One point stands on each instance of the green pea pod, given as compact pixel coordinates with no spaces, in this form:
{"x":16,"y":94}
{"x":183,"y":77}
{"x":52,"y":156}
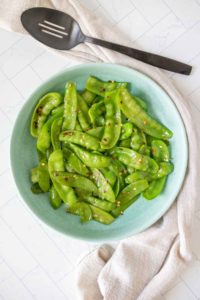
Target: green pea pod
{"x":58,"y":110}
{"x":42,"y":111}
{"x":109,"y":176}
{"x":96,"y":132}
{"x":35,"y":189}
{"x":98,"y":99}
{"x":116,"y":187}
{"x":96,"y":113}
{"x":160,"y":151}
{"x":118,"y":168}
{"x":34,"y":175}
{"x":82,"y":194}
{"x":56,"y":164}
{"x":101,"y":87}
{"x":101,"y":216}
{"x":83,"y":115}
{"x":141,"y":102}
{"x":139,"y":175}
{"x":77,"y":126}
{"x":137,"y":139}
{"x":140,"y":118}
{"x":120,"y":171}
{"x":121,"y":208}
{"x":126,"y":131}
{"x":48,"y":152}
{"x":88,"y":96}
{"x":55,"y":131}
{"x":165,"y":168}
{"x":75,"y":180}
{"x":125,"y":143}
{"x":55,"y":199}
{"x":74,"y":164}
{"x":70,"y":107}
{"x":132,"y":190}
{"x":91,"y":160}
{"x":145,"y":150}
{"x":81,"y":209}
{"x":155,"y":188}
{"x":135,"y":159}
{"x":40,"y":175}
{"x":100,"y":203}
{"x":44,"y":138}
{"x":104,"y":189}
{"x":44,"y":179}
{"x":130,"y":170}
{"x":112,"y":127}
{"x":80,"y":138}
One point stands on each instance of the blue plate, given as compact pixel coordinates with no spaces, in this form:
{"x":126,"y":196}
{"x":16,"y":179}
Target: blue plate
{"x":141,"y":214}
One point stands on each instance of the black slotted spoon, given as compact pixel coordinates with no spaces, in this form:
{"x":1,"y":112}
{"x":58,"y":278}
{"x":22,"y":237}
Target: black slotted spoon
{"x":59,"y":30}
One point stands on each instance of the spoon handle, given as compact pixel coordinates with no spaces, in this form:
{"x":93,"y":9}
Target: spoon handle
{"x":149,"y":58}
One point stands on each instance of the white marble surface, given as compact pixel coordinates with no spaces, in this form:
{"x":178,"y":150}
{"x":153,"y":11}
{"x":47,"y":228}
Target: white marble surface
{"x":35,"y":261}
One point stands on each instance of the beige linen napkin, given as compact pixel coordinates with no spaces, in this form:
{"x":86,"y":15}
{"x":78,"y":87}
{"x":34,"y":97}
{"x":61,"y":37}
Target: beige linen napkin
{"x":142,"y":266}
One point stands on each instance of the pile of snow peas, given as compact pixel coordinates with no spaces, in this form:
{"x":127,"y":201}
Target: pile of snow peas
{"x":98,"y":150}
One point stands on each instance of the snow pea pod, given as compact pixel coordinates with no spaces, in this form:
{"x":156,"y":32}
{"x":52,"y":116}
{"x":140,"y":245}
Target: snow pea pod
{"x":160,"y":151}
{"x":82,"y":193}
{"x":125,"y":143}
{"x":155,"y":188}
{"x":109,"y":175}
{"x":100,"y":203}
{"x":97,"y":132}
{"x":104,"y":189}
{"x":126,"y":131}
{"x":80,"y":138}
{"x":165,"y":168}
{"x":132,"y":190}
{"x":134,"y":159}
{"x":101,"y":87}
{"x":139,"y":175}
{"x":145,"y":150}
{"x":83,"y":115}
{"x":74,"y":164}
{"x":35,"y":188}
{"x":77,"y":126}
{"x":141,"y":102}
{"x":81,"y":209}
{"x":116,"y":187}
{"x":75,"y":180}
{"x":88,"y":96}
{"x":70,"y":107}
{"x":54,"y":198}
{"x":44,"y":138}
{"x":56,"y":164}
{"x":55,"y":131}
{"x":120,"y":171}
{"x":112,"y":126}
{"x":96,"y":113}
{"x":40,"y":175}
{"x":101,"y":216}
{"x":59,"y":109}
{"x":42,"y":111}
{"x":140,"y":118}
{"x":121,"y":208}
{"x":90,"y":159}
{"x":137,"y":139}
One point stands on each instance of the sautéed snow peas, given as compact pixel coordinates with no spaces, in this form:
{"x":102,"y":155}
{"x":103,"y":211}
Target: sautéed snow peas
{"x":98,"y":150}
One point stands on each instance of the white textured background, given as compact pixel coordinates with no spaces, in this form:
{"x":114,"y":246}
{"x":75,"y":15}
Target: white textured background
{"x":35,"y":261}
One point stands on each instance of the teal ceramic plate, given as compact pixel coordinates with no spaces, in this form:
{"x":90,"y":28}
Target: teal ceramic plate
{"x":141,"y":214}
